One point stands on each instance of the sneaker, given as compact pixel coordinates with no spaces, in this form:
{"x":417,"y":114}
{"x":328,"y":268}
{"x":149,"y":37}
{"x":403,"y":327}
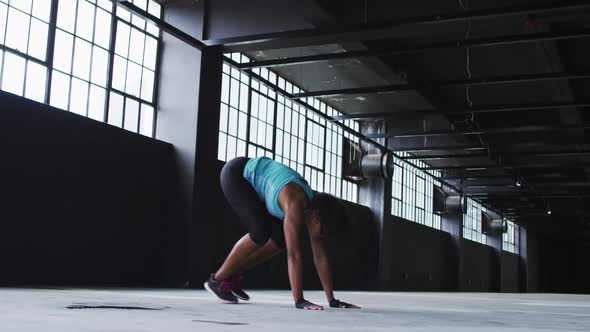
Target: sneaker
{"x":237,"y":288}
{"x":221,"y":288}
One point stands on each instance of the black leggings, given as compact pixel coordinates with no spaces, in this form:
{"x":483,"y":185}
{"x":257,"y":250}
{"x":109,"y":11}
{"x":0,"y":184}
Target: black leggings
{"x":245,"y":202}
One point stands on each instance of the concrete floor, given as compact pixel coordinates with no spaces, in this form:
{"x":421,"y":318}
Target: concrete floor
{"x":194,"y":310}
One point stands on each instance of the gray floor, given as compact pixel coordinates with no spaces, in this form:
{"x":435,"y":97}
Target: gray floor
{"x":188,"y":310}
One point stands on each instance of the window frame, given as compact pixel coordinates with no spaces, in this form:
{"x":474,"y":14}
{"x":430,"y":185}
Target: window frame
{"x":147,"y":106}
{"x":290,"y":125}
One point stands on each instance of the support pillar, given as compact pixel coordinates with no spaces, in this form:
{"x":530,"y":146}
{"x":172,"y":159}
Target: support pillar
{"x":495,"y":241}
{"x":188,"y":118}
{"x":453,"y":224}
{"x":375,"y":193}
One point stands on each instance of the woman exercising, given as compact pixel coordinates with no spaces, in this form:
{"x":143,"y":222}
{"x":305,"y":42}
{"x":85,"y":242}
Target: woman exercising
{"x":274,"y":202}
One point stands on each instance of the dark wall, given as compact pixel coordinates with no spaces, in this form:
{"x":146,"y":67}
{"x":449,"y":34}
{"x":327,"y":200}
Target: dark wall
{"x":531,"y":262}
{"x":352,"y":255}
{"x":564,"y":266}
{"x":425,"y":259}
{"x":421,"y":257}
{"x":82,"y":202}
{"x":476,"y":267}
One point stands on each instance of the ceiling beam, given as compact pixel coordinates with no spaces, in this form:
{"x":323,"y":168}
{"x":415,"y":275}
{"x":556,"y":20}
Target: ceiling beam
{"x":440,"y":148}
{"x":464,"y":177}
{"x":481,"y":109}
{"x":479,"y":155}
{"x":512,"y":166}
{"x":512,"y":188}
{"x":488,"y":131}
{"x":375,"y":30}
{"x":442,"y":84}
{"x":483,"y":42}
{"x":446,"y":156}
{"x":505,"y":196}
{"x":511,"y":180}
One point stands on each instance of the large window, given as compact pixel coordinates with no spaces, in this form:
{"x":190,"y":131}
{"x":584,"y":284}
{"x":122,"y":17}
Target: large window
{"x":412,"y":192}
{"x":24,"y":27}
{"x":510,"y":238}
{"x":472,"y":222}
{"x":89,"y":57}
{"x":256,"y":121}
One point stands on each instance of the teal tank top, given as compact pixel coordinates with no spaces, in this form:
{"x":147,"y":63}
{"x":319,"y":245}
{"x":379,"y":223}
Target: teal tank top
{"x":268,"y":178}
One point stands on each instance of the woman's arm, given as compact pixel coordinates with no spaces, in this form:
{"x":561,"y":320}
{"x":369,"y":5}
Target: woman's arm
{"x":322,"y":265}
{"x":292,"y":228}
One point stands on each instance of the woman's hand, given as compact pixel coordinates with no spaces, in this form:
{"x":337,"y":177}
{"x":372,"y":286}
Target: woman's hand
{"x":306,"y":305}
{"x":339,"y":304}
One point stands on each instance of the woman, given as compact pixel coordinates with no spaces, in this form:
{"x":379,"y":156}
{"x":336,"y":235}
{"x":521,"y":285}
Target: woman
{"x":274,"y":202}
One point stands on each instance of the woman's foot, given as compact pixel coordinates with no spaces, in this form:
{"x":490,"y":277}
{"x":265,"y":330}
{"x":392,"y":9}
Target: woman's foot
{"x":237,"y":290}
{"x":221,"y":288}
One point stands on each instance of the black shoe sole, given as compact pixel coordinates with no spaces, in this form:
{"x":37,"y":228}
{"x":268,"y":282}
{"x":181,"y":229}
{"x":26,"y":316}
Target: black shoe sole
{"x":206,"y":285}
{"x":241,"y":298}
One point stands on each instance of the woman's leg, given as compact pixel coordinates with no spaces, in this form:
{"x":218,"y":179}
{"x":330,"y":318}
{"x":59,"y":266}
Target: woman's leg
{"x":268,"y":251}
{"x":245,"y":255}
{"x":252,"y":212}
{"x":238,"y":258}
{"x":273,"y":246}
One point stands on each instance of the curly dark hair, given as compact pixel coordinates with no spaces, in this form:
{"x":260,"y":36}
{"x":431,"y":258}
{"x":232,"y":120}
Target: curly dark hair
{"x":332,"y":213}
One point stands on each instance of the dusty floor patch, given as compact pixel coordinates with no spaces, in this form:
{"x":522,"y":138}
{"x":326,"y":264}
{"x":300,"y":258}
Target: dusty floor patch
{"x":218,"y":322}
{"x":122,"y":307}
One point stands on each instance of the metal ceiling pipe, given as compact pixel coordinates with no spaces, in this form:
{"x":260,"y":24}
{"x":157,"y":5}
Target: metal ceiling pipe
{"x":441,"y":148}
{"x":501,"y":176}
{"x":377,"y":165}
{"x":504,"y":153}
{"x":492,"y":224}
{"x":522,"y":129}
{"x":446,"y":156}
{"x":486,"y":167}
{"x":505,"y":196}
{"x":448,"y":202}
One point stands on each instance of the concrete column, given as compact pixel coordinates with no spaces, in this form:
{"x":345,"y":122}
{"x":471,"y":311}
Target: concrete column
{"x":375,"y":193}
{"x":522,"y":267}
{"x":207,"y":211}
{"x":529,"y":255}
{"x":188,"y":118}
{"x":495,"y":241}
{"x":453,"y":224}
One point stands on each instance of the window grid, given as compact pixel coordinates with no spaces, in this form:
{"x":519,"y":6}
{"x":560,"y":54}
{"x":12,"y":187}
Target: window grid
{"x":257,"y":121}
{"x":412,"y":193}
{"x":420,"y":199}
{"x":62,"y":53}
{"x":472,"y":222}
{"x":262,"y":113}
{"x":291,"y":120}
{"x":510,"y":239}
{"x":23,"y":47}
{"x":234,"y":122}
